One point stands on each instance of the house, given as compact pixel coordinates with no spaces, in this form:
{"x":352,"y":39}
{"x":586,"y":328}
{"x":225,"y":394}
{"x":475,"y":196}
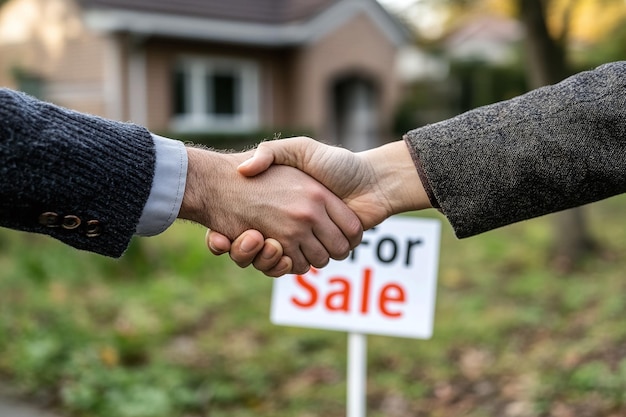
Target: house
{"x":486,"y":38}
{"x":325,"y":67}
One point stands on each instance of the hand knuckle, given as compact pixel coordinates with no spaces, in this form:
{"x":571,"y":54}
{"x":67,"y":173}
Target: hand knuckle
{"x":304,"y":215}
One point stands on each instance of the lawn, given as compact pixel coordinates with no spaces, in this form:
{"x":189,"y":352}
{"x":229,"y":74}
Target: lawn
{"x":171,"y":331}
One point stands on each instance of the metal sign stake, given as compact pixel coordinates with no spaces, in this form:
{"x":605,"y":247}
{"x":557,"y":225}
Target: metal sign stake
{"x":357,"y":375}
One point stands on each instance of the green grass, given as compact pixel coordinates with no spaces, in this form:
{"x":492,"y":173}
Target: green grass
{"x":169,"y":330}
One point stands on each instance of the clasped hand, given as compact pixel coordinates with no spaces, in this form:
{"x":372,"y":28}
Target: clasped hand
{"x":304,"y":222}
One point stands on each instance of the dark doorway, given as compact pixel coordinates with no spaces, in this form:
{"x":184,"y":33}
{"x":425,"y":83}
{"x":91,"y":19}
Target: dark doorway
{"x":355,"y":116}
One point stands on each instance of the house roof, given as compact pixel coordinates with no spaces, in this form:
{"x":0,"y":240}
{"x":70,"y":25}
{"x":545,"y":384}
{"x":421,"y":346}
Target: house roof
{"x":250,"y":22}
{"x":485,"y":38}
{"x":261,"y":11}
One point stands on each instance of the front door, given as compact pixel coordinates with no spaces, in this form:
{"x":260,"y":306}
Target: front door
{"x":355,"y":114}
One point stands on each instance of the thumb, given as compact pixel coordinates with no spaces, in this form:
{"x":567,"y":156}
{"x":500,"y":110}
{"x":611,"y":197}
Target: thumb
{"x":261,"y":159}
{"x":282,"y":152}
{"x":217,"y":243}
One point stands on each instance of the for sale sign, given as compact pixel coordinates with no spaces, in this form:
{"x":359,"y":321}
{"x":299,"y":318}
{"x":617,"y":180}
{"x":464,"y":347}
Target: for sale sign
{"x":386,"y":286}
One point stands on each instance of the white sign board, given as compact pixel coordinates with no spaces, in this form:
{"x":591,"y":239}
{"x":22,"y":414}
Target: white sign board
{"x":386,"y":286}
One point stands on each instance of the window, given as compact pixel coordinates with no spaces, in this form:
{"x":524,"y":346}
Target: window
{"x":215,"y":95}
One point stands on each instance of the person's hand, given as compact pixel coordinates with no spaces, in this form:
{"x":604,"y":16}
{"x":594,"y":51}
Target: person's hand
{"x":375,"y":184}
{"x":308,"y":221}
{"x":266,"y":255}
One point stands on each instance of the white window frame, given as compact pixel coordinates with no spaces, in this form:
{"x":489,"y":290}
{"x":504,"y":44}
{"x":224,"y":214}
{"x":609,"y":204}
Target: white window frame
{"x":198,"y":118}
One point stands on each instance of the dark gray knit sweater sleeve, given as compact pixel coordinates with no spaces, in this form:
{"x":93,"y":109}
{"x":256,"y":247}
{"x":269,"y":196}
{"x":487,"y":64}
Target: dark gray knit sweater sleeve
{"x":78,"y":178}
{"x":551,"y":149}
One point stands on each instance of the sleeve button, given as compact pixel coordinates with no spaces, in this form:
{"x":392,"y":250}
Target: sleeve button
{"x":94,"y":229}
{"x":49,"y":219}
{"x":70,"y":222}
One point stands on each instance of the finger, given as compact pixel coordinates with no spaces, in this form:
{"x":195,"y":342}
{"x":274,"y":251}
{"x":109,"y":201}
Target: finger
{"x":335,"y":226}
{"x":246,"y":247}
{"x":300,"y":264}
{"x":284,"y":266}
{"x":217,"y":243}
{"x":334,"y":243}
{"x":314,"y":252}
{"x":269,"y":256}
{"x":333,"y":231}
{"x":347,"y":221}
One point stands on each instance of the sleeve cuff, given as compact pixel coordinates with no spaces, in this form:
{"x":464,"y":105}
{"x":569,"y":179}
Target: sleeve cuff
{"x":422,"y":174}
{"x":168,"y":187}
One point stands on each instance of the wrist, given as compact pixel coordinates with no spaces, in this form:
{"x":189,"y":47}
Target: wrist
{"x":207,"y":174}
{"x":211,"y":177}
{"x":193,"y":205}
{"x":398,"y":180}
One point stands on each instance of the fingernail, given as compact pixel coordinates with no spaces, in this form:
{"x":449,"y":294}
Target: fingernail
{"x":247,"y":244}
{"x":282,"y":266}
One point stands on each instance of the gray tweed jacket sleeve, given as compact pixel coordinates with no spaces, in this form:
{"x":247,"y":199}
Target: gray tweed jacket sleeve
{"x":551,"y":149}
{"x":78,"y":178}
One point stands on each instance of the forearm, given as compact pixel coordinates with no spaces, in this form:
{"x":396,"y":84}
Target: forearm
{"x":551,"y":149}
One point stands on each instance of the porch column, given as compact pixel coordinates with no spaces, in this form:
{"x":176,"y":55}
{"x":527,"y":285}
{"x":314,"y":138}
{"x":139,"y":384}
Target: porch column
{"x":137,"y":81}
{"x":113,"y":79}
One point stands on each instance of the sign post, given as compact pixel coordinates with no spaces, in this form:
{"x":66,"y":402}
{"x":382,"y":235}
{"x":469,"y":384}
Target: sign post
{"x":387,"y":286}
{"x":357,"y":374}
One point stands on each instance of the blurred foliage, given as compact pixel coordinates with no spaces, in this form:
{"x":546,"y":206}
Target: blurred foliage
{"x":170,"y":330}
{"x":595,"y":32}
{"x":613,"y":48}
{"x":470,"y":85}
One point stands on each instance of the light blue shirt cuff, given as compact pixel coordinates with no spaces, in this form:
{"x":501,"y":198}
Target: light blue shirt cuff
{"x":168,"y":187}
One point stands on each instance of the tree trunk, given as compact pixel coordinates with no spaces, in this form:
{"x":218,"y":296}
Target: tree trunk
{"x":546,"y":64}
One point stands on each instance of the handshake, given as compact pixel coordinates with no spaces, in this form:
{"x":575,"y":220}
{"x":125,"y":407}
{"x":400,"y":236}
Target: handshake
{"x":295,"y":203}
